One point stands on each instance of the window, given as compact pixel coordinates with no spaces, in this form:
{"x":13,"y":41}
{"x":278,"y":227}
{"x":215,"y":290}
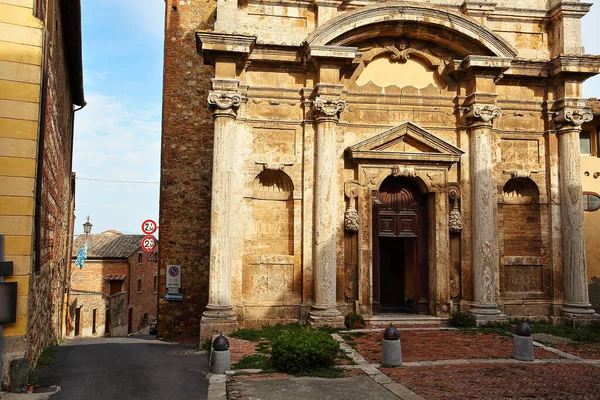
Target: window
{"x":139,"y":285}
{"x":591,"y":201}
{"x":155,"y":284}
{"x":589,"y":143}
{"x":139,"y":258}
{"x":145,"y":319}
{"x":115,"y":287}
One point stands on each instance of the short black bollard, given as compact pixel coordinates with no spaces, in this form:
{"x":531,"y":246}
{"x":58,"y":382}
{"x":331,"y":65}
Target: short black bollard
{"x":392,"y":351}
{"x":220,"y":358}
{"x":523,"y":343}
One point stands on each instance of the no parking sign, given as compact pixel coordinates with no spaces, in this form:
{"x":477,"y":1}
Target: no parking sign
{"x":173,"y":276}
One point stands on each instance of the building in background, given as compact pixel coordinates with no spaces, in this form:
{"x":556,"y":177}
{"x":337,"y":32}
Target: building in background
{"x":394,"y":157}
{"x":41,"y":84}
{"x":590,"y":179}
{"x":115,"y":292}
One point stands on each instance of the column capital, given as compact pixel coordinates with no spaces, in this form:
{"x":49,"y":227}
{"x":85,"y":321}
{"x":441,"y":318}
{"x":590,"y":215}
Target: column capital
{"x":572,"y":117}
{"x":224,"y":104}
{"x":482,"y":113}
{"x":328,"y":108}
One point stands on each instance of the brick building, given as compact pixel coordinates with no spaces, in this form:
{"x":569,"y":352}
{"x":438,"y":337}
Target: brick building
{"x":41,"y":83}
{"x":115,"y":293}
{"x":333,"y":156}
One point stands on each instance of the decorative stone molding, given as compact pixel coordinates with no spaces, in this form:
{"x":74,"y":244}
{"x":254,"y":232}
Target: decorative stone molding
{"x":403,"y":170}
{"x":351,"y":223}
{"x":329,"y":107}
{"x":483,"y":113}
{"x":455,"y":223}
{"x":519,"y":173}
{"x":224,"y":100}
{"x":572,"y":117}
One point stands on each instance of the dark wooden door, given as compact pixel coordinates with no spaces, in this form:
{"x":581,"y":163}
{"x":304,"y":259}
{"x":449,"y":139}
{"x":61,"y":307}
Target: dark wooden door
{"x":77,"y":321}
{"x":130,"y":321}
{"x":107,"y":323}
{"x":400,"y":280}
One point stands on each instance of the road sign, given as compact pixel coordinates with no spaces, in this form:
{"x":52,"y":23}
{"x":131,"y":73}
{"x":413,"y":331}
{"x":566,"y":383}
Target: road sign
{"x":173,"y":276}
{"x":148,"y":243}
{"x":153,"y":257}
{"x":149,"y":227}
{"x":173,"y":296}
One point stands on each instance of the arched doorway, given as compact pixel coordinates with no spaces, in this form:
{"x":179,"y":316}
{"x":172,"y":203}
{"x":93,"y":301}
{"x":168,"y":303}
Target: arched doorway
{"x":400,"y":279}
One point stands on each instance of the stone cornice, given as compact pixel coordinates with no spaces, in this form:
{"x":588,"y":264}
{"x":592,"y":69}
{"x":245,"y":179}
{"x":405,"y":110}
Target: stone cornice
{"x":577,"y":67}
{"x":332,"y":52}
{"x":212,"y":44}
{"x":572,"y":9}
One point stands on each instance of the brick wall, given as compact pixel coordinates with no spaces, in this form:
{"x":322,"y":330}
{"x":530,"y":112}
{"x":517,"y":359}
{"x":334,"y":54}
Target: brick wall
{"x":186,"y":164}
{"x":142,"y":301}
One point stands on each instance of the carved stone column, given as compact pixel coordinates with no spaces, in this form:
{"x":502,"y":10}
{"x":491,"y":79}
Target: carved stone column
{"x":569,"y":122}
{"x":219,"y":315}
{"x":324,"y":310}
{"x":483,"y":195}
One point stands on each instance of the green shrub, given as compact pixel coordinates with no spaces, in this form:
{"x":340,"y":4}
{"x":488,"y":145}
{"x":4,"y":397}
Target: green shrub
{"x":303,"y":350}
{"x":461,"y":319}
{"x":353,"y":320}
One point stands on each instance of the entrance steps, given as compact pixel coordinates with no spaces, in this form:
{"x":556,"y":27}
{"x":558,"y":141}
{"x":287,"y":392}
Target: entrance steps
{"x":405,"y":320}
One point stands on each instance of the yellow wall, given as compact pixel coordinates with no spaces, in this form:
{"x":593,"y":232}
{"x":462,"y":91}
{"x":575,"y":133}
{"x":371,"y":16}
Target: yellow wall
{"x":21,"y":43}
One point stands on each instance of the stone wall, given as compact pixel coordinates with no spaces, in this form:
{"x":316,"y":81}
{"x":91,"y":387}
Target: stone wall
{"x":186,"y":164}
{"x":143,"y":301}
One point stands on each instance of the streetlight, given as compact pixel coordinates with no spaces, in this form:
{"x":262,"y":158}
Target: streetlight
{"x":87,"y":227}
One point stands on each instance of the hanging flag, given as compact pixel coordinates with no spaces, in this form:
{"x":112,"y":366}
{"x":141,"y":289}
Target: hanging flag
{"x":82,"y":256}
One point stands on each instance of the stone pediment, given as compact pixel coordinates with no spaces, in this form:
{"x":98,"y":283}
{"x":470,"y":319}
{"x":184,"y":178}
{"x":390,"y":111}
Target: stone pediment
{"x":406,"y":142}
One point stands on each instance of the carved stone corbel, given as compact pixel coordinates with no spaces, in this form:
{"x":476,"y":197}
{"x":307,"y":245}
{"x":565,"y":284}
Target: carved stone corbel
{"x":455,"y":223}
{"x":483,"y":113}
{"x":519,"y":173}
{"x":403,"y":170}
{"x":572,"y":116}
{"x":329,"y":107}
{"x":223,"y":102}
{"x":351,"y":221}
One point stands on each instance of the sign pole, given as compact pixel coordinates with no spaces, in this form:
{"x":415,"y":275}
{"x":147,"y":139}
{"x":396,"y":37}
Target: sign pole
{"x":172,"y":319}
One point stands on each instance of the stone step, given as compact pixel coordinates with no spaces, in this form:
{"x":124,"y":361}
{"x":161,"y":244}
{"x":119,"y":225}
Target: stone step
{"x":406,"y":320}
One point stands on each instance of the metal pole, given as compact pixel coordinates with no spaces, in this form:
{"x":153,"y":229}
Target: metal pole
{"x":172,"y":319}
{"x":1,"y":280}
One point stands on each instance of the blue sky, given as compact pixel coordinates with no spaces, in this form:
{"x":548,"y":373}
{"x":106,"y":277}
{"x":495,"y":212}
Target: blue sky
{"x":117,"y":134}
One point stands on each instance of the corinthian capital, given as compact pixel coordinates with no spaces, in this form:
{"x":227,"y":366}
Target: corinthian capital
{"x":483,"y":113}
{"x":572,"y":116}
{"x":224,"y":100}
{"x":328,"y":107}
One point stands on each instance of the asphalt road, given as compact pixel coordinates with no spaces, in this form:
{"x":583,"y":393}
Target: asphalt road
{"x":126,"y":368}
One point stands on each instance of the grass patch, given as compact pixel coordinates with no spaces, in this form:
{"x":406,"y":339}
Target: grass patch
{"x":583,"y":334}
{"x":343,"y":356}
{"x":254,"y":361}
{"x":47,"y":358}
{"x":266,"y":332}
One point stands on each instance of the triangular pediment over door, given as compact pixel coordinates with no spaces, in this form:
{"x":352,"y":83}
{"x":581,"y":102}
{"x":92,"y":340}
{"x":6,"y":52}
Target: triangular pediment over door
{"x":407,"y":143}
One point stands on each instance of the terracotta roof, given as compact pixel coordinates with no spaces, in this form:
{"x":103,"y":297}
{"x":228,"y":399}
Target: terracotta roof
{"x":115,"y":277}
{"x":109,"y":244}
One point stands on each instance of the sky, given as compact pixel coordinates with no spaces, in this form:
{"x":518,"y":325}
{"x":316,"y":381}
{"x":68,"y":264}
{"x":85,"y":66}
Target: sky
{"x":117,"y":134}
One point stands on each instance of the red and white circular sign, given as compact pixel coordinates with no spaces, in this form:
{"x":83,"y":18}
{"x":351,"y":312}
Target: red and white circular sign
{"x":149,"y":227}
{"x":148,"y":243}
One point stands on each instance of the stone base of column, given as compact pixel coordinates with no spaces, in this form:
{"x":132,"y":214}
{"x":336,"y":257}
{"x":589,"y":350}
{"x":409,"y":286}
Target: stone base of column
{"x":216,"y":320}
{"x":320,"y":316}
{"x":487,"y":313}
{"x":578,"y":314}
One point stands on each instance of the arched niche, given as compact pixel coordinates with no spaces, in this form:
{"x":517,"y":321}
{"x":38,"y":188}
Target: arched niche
{"x":522,"y":222}
{"x":272,"y":214}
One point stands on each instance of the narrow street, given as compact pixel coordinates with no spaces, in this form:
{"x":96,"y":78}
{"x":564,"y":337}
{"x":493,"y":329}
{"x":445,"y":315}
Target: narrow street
{"x":126,"y":368}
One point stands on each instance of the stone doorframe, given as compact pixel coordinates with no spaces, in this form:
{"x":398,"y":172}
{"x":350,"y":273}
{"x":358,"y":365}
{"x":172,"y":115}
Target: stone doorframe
{"x":433,"y":182}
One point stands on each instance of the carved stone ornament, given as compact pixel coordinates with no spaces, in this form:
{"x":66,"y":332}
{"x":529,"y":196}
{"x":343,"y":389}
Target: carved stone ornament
{"x":329,"y":108}
{"x":351,"y":222}
{"x":455,"y":222}
{"x":402,"y":170}
{"x":519,"y":173}
{"x":572,"y":116}
{"x":483,"y":112}
{"x":224,"y":100}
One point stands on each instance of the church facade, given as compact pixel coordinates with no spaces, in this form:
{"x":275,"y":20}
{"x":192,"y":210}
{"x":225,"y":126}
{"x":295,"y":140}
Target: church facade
{"x":373,"y":157}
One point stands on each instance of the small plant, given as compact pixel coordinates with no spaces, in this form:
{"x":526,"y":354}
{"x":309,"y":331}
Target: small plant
{"x":353,"y":320}
{"x":253,"y":361}
{"x":303,"y":350}
{"x":461,"y":319}
{"x":46,"y":358}
{"x":206,"y":345}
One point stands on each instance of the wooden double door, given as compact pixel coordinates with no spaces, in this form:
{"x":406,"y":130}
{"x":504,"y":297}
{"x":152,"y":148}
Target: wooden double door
{"x":400,"y":279}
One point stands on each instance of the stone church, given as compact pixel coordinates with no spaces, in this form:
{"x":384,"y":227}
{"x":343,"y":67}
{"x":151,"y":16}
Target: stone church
{"x":328,"y":156}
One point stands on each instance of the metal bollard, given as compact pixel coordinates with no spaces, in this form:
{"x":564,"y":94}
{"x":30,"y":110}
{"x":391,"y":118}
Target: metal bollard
{"x":523,"y":343}
{"x":392,"y":351}
{"x":220,"y":358}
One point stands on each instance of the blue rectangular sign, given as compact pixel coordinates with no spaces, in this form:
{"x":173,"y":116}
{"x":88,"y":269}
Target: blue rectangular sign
{"x":173,"y":296}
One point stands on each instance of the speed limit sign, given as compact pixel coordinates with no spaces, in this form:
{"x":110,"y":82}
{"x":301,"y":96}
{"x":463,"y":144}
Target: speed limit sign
{"x":149,"y":227}
{"x":148,"y":243}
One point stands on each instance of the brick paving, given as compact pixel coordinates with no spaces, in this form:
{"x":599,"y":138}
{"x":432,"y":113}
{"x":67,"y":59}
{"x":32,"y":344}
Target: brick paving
{"x":503,"y":381}
{"x":421,"y":345}
{"x":590,"y":351}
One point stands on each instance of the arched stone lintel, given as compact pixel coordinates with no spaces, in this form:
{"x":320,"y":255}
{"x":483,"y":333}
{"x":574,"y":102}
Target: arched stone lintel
{"x":429,"y":179}
{"x":426,"y":14}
